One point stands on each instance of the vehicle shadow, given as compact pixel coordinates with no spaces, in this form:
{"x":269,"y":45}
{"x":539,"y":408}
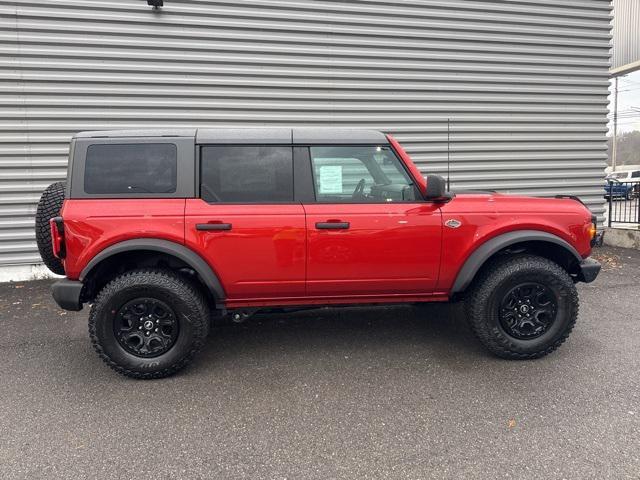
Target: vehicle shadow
{"x":404,"y":333}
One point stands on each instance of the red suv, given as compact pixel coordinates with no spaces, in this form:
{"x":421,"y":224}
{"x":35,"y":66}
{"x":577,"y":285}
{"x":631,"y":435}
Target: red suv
{"x":160,"y":231}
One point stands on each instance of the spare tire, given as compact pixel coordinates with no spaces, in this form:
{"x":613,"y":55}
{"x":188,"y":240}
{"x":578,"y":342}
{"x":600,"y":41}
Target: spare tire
{"x":49,"y":207}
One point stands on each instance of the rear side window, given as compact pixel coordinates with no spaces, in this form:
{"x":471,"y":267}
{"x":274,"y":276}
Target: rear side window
{"x":131,"y":168}
{"x":635,"y":174}
{"x":247,"y":174}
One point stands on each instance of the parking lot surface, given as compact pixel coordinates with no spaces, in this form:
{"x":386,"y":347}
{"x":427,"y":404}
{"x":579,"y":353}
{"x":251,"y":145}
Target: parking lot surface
{"x":386,"y":392}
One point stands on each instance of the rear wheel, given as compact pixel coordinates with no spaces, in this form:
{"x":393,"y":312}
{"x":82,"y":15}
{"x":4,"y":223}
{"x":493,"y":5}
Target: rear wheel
{"x":49,"y":207}
{"x":522,"y":307}
{"x":148,"y":323}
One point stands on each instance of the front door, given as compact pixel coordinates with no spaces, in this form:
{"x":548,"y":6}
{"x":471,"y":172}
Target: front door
{"x":246,"y":224}
{"x":367,"y":232}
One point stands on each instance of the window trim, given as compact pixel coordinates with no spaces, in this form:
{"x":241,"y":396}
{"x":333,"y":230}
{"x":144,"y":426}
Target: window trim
{"x":199,"y":172}
{"x":419,"y":198}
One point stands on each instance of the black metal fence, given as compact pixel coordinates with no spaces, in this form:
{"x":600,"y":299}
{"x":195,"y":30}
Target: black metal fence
{"x":624,"y":201}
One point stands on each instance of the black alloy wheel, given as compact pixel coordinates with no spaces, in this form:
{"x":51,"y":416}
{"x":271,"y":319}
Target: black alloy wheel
{"x":146,"y":327}
{"x":528,"y":310}
{"x":522,"y":306}
{"x":149,"y":323}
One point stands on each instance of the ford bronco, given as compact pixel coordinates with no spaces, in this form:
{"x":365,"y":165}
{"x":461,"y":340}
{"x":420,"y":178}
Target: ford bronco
{"x":163,"y":231}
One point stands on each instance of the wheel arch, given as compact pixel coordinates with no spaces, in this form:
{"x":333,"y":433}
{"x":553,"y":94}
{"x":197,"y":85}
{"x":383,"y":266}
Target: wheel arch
{"x":541,"y":243}
{"x":146,"y":248}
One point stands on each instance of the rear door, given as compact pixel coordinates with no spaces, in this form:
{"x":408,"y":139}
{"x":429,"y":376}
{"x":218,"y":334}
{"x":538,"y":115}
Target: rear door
{"x":368,"y":230}
{"x":245,"y":222}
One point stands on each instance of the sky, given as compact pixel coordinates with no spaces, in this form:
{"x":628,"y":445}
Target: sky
{"x":628,"y":100}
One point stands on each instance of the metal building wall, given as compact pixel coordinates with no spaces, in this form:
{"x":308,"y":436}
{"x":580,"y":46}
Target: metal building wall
{"x":626,"y":34}
{"x":524,"y":83}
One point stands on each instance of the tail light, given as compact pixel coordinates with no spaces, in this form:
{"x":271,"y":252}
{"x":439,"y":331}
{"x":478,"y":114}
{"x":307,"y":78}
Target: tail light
{"x":57,"y":237}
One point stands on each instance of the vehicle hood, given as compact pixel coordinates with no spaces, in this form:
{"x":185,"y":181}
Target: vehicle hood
{"x":508,"y":203}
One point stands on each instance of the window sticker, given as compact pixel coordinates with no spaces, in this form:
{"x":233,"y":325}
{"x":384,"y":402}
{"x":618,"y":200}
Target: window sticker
{"x":330,"y":179}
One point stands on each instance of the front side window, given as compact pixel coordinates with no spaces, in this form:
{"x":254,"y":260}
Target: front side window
{"x":131,"y":168}
{"x":247,"y":174}
{"x":359,"y":174}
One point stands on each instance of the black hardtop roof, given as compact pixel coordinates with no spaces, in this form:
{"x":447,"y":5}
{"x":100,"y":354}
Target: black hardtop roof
{"x":253,"y":135}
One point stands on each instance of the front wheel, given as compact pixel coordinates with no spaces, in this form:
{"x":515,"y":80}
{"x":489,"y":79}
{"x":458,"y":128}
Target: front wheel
{"x":522,"y":307}
{"x":148,"y":323}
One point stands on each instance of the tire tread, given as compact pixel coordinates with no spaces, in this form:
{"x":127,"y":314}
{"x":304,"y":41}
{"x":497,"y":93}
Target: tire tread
{"x":164,"y":279}
{"x":49,"y":206}
{"x":488,"y":281}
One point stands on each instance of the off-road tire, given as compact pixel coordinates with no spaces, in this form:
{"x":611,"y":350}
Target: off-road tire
{"x":49,"y":207}
{"x":190,"y":308}
{"x":483,"y":302}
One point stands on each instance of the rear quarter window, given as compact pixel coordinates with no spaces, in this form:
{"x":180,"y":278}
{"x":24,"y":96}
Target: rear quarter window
{"x":131,"y":168}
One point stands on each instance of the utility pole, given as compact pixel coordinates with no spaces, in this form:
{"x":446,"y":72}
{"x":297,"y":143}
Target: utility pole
{"x":614,"y":146}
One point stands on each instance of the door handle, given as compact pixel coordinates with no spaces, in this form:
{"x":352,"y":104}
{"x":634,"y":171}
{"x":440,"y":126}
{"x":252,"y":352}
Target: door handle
{"x":213,"y":226}
{"x":332,"y":225}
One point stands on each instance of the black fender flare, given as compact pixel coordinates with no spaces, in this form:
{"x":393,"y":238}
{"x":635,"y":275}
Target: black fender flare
{"x":177,"y":250}
{"x":481,"y":254}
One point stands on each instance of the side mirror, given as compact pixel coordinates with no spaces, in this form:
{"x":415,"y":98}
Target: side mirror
{"x":436,"y":188}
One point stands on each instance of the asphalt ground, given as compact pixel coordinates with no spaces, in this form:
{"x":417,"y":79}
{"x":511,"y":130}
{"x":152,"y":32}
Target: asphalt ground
{"x":386,"y":392}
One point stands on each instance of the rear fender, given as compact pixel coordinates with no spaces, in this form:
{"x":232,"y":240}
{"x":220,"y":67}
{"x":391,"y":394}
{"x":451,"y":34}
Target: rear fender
{"x":201,"y":267}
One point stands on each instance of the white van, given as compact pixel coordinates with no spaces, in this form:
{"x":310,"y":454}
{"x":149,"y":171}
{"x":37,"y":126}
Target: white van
{"x":625,"y":176}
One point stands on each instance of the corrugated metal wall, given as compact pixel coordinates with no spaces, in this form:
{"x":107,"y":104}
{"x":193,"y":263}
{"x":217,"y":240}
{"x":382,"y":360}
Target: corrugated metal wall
{"x":524,"y":83}
{"x":626,"y":33}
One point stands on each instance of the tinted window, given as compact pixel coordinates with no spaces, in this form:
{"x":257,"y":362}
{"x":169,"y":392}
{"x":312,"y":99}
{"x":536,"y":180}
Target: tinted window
{"x":131,"y":168}
{"x":635,"y":174}
{"x":250,"y":174}
{"x":345,"y":174}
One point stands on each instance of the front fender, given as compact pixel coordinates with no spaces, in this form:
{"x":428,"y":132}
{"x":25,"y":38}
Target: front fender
{"x":483,"y":252}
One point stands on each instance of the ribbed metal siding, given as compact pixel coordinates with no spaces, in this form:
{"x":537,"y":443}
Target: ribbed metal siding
{"x":524,"y":83}
{"x":626,"y":33}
